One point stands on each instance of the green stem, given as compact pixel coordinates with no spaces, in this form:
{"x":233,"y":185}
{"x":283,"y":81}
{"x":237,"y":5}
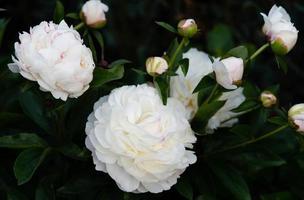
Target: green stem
{"x":212,"y":93}
{"x":79,"y":26}
{"x":177,"y":51}
{"x":271,"y":133}
{"x":258,"y":52}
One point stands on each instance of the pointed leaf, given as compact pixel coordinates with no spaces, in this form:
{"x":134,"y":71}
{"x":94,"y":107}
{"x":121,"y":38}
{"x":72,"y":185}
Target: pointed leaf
{"x":184,"y":65}
{"x":27,"y":162}
{"x":163,"y":87}
{"x":232,"y":180}
{"x":33,"y":107}
{"x":102,"y":76}
{"x":204,"y":113}
{"x":240,"y":52}
{"x":167,"y":26}
{"x":59,"y":12}
{"x":22,"y":140}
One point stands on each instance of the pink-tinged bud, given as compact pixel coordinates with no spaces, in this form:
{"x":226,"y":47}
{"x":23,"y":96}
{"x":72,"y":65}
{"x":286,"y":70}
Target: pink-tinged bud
{"x":296,"y":117}
{"x":93,"y":14}
{"x":268,"y":99}
{"x":187,"y":28}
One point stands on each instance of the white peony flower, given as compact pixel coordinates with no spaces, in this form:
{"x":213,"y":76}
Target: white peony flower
{"x":225,"y":117}
{"x":93,"y":13}
{"x":296,"y":116}
{"x":229,"y":72}
{"x":279,"y":29}
{"x":156,"y":65}
{"x":138,"y":141}
{"x":55,"y":57}
{"x":182,"y":87}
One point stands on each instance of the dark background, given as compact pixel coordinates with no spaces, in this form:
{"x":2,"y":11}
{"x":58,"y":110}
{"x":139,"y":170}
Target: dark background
{"x":132,"y":34}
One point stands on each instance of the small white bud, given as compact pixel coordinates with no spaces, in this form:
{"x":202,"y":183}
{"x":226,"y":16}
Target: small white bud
{"x":156,"y":65}
{"x":268,"y":99}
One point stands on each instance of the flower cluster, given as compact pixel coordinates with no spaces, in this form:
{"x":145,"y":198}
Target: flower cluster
{"x":143,"y":135}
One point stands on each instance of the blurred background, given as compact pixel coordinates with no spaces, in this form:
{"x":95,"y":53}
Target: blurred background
{"x":131,"y":33}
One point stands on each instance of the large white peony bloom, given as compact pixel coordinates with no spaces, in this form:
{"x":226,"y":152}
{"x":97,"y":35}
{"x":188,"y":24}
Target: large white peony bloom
{"x":55,"y":57}
{"x":182,"y":87}
{"x":278,"y":28}
{"x":93,"y":13}
{"x":138,"y":141}
{"x":225,"y":117}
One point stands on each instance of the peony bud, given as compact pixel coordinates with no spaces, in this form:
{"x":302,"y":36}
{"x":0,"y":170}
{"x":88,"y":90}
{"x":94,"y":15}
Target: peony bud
{"x":281,"y":33}
{"x":156,"y":65}
{"x":284,"y":43}
{"x":229,"y":72}
{"x":268,"y":99}
{"x":296,"y":116}
{"x":93,"y":13}
{"x":187,"y":28}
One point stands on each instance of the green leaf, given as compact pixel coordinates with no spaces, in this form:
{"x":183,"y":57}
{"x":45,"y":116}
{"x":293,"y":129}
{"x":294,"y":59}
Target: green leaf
{"x":184,"y":65}
{"x":27,"y":163}
{"x":80,"y":184}
{"x":59,"y":12}
{"x":139,"y":72}
{"x":251,"y":90}
{"x":220,"y":39}
{"x":163,"y":87}
{"x":32,"y":106}
{"x":274,"y":89}
{"x":245,"y":106}
{"x":73,"y":15}
{"x":184,"y":188}
{"x":278,"y":196}
{"x":75,"y":152}
{"x":240,"y":52}
{"x":282,"y":64}
{"x":13,"y":194}
{"x":204,"y":83}
{"x":22,"y":140}
{"x":99,"y":39}
{"x":102,"y":76}
{"x":167,"y":26}
{"x":232,"y":180}
{"x":261,"y":159}
{"x":278,"y":120}
{"x":204,"y":113}
{"x":3,"y":24}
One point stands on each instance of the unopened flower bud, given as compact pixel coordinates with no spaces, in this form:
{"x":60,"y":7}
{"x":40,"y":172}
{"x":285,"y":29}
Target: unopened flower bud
{"x":187,"y":28}
{"x":156,"y":65}
{"x":268,"y":99}
{"x":284,"y":43}
{"x":296,"y":117}
{"x":229,"y":72}
{"x":280,"y":31}
{"x":93,"y":14}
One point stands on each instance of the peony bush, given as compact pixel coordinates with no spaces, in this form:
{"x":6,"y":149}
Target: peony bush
{"x":188,"y":123}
